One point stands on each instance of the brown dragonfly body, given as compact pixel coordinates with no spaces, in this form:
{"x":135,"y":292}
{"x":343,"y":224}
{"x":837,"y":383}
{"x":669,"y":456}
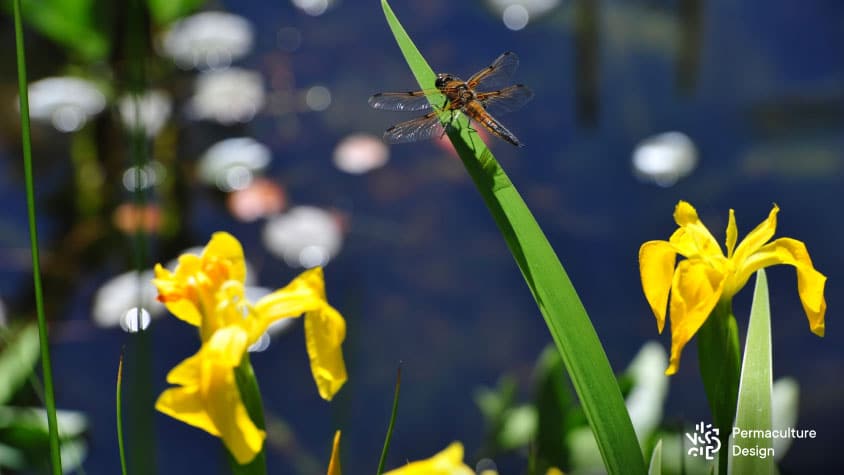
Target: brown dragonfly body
{"x":475,"y":98}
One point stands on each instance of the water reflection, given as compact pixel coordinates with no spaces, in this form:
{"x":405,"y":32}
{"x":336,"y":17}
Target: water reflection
{"x":360,"y":153}
{"x":127,"y":291}
{"x":208,"y":40}
{"x":230,"y":164}
{"x":135,"y":319}
{"x":313,"y":7}
{"x":66,"y":102}
{"x":227,"y":96}
{"x":305,"y":236}
{"x":148,"y":112}
{"x":665,"y":158}
{"x":263,"y":197}
{"x":516,"y":14}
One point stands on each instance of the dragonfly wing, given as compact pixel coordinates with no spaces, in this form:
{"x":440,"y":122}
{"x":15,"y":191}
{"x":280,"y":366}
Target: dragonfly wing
{"x":505,"y":100}
{"x":402,"y":101}
{"x":496,"y":74}
{"x":417,"y":129}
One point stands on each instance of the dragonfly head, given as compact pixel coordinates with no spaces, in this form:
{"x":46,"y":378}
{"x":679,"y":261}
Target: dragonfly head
{"x":442,"y":80}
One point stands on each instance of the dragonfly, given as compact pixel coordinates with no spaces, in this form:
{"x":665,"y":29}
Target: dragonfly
{"x":482,"y":94}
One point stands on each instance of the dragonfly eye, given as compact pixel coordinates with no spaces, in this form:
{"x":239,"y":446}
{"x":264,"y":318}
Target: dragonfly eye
{"x":442,"y":80}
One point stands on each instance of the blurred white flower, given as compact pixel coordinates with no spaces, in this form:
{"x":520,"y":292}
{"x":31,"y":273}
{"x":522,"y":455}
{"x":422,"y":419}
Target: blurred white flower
{"x":208,"y":40}
{"x":650,"y":387}
{"x":360,"y":153}
{"x":228,"y":96}
{"x":66,"y":102}
{"x":665,"y":158}
{"x":785,"y":395}
{"x":313,"y":7}
{"x":516,"y":14}
{"x":149,"y":111}
{"x":125,"y":292}
{"x":230,"y":164}
{"x":305,"y":236}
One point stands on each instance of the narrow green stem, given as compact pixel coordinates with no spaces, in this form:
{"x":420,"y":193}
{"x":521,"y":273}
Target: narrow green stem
{"x":393,"y":414}
{"x":46,"y":367}
{"x":720,"y":367}
{"x":119,"y":415}
{"x":250,"y":393}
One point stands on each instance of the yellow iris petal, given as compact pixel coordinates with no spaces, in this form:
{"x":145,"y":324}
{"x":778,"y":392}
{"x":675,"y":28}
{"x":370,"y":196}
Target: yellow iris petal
{"x":447,"y":462}
{"x":656,"y":267}
{"x":732,"y":233}
{"x":695,"y":291}
{"x":305,"y":293}
{"x":325,"y":331}
{"x":208,"y":397}
{"x":756,"y":238}
{"x":226,"y":249}
{"x":693,"y":239}
{"x":810,"y":282}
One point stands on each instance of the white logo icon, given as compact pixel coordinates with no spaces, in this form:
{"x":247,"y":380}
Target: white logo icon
{"x":704,"y":441}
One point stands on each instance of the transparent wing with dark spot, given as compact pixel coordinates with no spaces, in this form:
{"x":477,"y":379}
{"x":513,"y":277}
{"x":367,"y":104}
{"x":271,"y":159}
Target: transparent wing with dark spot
{"x":506,"y":100}
{"x":402,"y":101}
{"x":496,"y":75}
{"x":417,"y":129}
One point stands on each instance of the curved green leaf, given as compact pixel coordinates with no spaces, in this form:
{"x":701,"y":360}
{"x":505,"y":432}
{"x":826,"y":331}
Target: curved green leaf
{"x":564,"y":314}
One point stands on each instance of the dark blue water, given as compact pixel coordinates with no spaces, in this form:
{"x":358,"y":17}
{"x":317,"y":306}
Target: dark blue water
{"x":425,"y":278}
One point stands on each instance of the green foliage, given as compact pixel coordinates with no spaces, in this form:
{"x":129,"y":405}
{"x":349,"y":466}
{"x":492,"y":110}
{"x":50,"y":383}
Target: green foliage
{"x":73,"y":24}
{"x":557,"y":411}
{"x":25,"y":438}
{"x":17,"y":358}
{"x":755,"y":390}
{"x":718,"y":356}
{"x":570,"y":327}
{"x":166,"y":11}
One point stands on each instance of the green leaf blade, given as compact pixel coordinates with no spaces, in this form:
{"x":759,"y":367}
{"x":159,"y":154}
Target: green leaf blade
{"x":570,"y":327}
{"x":753,"y":410}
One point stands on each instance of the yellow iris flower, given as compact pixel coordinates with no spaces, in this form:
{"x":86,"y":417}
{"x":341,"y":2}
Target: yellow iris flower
{"x":207,"y":396}
{"x":707,"y":276}
{"x":207,"y":291}
{"x":447,"y":462}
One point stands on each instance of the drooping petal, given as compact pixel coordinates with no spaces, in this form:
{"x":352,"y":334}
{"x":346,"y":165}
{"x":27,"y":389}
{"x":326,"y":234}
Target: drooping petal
{"x":656,"y":268}
{"x":304,"y":294}
{"x":693,"y":239}
{"x":447,"y":462}
{"x":184,"y":404}
{"x":208,"y":397}
{"x":334,"y":463}
{"x":325,"y":331}
{"x":732,"y":233}
{"x":225,"y":407}
{"x":756,"y":238}
{"x":810,"y":282}
{"x":695,"y":291}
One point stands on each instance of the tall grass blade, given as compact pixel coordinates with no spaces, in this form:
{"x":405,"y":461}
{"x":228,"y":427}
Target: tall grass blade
{"x":26,"y":139}
{"x":119,"y":414}
{"x":392,"y":423}
{"x":554,"y":293}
